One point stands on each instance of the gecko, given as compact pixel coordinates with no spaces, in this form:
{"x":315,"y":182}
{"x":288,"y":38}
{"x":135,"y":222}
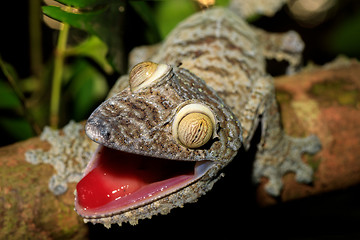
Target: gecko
{"x":187,"y":106}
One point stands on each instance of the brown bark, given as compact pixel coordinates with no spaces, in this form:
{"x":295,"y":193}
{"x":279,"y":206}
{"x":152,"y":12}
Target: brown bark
{"x":326,"y":102}
{"x":28,"y":210}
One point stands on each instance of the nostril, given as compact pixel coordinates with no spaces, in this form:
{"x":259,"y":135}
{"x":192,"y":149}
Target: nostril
{"x":106,"y":135}
{"x":97,"y":130}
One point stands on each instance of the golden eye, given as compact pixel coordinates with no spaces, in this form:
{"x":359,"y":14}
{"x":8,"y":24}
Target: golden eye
{"x":146,"y":73}
{"x":194,"y":125}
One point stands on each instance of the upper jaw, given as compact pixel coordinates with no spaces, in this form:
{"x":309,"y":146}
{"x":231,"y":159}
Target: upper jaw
{"x":141,"y":122}
{"x":138,"y":137}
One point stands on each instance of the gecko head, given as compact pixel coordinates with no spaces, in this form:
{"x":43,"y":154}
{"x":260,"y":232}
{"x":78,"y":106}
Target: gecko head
{"x":162,"y":142}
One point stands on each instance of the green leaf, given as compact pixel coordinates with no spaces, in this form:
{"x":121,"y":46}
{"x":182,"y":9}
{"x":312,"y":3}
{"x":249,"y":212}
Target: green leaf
{"x":170,"y":13}
{"x":344,"y":37}
{"x":80,"y":20}
{"x":87,"y":3}
{"x":95,"y":49}
{"x":87,"y":88}
{"x":8,"y":98}
{"x":16,"y":127}
{"x":104,"y":22}
{"x":223,"y":3}
{"x":145,"y":12}
{"x":12,"y":78}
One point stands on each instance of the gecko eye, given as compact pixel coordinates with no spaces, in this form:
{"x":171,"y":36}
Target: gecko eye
{"x":145,"y":74}
{"x":194,"y":125}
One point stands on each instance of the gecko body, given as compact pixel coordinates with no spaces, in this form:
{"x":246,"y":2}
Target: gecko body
{"x":212,"y":64}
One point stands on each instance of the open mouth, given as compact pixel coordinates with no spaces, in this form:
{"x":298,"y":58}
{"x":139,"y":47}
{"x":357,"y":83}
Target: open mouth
{"x":117,"y":181}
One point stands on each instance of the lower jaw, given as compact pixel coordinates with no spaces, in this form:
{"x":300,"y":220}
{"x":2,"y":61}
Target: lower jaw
{"x":146,"y":194}
{"x":162,"y":206}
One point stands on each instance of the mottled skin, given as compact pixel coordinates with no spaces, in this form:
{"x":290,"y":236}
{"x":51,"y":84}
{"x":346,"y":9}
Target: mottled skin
{"x":225,"y":62}
{"x":141,"y":123}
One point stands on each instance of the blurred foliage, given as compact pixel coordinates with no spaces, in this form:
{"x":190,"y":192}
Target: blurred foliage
{"x":100,"y":22}
{"x":169,"y":13}
{"x":345,"y":36}
{"x":95,"y":54}
{"x":12,"y":102}
{"x":172,"y":12}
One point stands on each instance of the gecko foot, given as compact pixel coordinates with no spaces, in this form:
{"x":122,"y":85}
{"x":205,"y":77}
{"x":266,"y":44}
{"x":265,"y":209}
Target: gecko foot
{"x":285,"y":157}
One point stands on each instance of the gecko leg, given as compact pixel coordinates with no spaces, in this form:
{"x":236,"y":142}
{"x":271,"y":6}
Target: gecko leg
{"x":278,"y":153}
{"x":284,"y":158}
{"x":286,"y":46}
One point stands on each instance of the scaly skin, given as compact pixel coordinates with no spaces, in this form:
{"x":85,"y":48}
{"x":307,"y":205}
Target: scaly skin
{"x":141,"y":123}
{"x":225,"y":62}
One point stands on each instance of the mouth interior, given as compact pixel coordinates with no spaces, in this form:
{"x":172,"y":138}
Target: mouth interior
{"x":117,"y":180}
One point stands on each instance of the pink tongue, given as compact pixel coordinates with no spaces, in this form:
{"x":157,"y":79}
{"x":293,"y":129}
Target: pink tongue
{"x":119,"y":174}
{"x":100,"y":187}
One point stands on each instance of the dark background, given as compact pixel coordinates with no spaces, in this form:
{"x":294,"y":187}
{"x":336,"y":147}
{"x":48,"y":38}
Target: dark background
{"x":229,"y":211}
